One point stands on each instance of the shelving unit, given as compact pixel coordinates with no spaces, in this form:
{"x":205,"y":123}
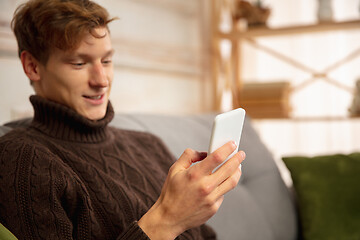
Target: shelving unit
{"x":227,"y":72}
{"x":300,"y":29}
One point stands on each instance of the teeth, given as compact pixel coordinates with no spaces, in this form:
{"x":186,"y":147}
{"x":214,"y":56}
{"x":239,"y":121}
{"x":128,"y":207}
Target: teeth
{"x":95,"y":97}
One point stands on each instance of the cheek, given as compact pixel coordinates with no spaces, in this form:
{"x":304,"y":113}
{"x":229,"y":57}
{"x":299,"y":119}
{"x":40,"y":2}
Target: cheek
{"x":77,"y":81}
{"x":110,"y":75}
{"x":70,"y":89}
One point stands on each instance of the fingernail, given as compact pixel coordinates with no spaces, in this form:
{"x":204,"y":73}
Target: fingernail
{"x":243,"y":155}
{"x":240,"y":166}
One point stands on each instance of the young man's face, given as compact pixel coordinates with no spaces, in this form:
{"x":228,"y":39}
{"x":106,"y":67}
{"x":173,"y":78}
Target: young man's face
{"x":80,"y":79}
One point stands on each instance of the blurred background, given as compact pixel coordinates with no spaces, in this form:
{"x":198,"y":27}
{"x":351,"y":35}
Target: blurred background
{"x":293,"y":66}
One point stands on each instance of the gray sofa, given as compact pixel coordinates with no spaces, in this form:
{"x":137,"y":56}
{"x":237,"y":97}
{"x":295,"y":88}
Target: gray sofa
{"x":259,"y":208}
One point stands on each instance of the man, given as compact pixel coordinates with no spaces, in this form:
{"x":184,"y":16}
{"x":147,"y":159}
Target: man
{"x":70,"y":176}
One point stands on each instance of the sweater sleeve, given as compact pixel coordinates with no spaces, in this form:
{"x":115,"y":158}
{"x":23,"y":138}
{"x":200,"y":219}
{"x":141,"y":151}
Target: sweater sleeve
{"x":37,"y":199}
{"x":134,"y":232}
{"x":41,"y":198}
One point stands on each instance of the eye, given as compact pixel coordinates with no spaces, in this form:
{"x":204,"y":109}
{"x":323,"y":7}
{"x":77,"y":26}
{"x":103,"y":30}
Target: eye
{"x":79,"y":64}
{"x":107,"y":61}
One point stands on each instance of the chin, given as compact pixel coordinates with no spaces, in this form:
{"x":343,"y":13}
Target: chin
{"x":95,"y":114}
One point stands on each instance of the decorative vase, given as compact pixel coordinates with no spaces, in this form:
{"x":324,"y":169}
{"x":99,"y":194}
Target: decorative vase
{"x":325,"y":12}
{"x":355,"y":107}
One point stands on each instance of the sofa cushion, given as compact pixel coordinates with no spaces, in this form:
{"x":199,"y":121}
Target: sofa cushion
{"x":328,"y":193}
{"x":259,"y":208}
{"x":4,"y":130}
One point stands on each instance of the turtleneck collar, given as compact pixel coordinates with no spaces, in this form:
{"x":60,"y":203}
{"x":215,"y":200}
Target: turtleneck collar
{"x":64,"y":123}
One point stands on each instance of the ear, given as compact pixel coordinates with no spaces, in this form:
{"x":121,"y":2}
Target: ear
{"x":30,"y":66}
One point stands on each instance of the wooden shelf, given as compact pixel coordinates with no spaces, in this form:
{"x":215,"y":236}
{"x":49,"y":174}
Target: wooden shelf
{"x":227,"y":71}
{"x":301,"y":29}
{"x":311,"y":119}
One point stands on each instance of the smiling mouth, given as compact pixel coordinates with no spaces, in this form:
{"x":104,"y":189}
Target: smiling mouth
{"x":97,"y":97}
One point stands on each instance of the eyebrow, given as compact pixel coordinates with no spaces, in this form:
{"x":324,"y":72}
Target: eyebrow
{"x":87,"y":56}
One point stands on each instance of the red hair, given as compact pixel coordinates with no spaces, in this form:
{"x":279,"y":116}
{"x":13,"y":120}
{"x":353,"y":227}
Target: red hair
{"x":41,"y":25}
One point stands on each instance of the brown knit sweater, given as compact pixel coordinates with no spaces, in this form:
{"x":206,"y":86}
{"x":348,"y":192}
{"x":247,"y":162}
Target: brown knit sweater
{"x":67,"y":177}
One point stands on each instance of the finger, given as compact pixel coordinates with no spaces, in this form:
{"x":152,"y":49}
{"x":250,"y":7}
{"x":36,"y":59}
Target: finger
{"x":219,"y":201}
{"x":188,"y":157}
{"x":228,"y":169}
{"x":229,"y":184}
{"x":216,"y":158}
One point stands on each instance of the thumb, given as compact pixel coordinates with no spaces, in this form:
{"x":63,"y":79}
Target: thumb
{"x":188,"y":157}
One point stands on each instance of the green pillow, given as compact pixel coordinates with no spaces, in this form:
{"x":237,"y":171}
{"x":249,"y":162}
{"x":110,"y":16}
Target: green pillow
{"x":5,"y":234}
{"x":328,"y":194}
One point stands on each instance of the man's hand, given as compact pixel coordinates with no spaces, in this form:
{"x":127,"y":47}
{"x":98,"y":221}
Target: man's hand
{"x":192,"y":194}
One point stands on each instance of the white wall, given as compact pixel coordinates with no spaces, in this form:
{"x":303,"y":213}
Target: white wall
{"x":160,"y":59}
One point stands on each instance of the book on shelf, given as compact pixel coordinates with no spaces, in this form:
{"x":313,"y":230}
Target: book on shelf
{"x":266,"y":100}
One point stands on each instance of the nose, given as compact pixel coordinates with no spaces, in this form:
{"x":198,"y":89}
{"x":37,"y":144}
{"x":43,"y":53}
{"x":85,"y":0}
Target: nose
{"x":98,"y":77}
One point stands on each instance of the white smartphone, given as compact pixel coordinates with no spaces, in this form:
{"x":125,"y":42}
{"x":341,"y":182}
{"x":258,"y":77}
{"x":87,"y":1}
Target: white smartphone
{"x":227,"y":127}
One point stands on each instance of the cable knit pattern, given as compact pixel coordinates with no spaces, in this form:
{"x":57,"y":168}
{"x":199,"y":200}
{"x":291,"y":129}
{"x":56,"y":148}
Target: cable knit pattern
{"x":67,"y":177}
